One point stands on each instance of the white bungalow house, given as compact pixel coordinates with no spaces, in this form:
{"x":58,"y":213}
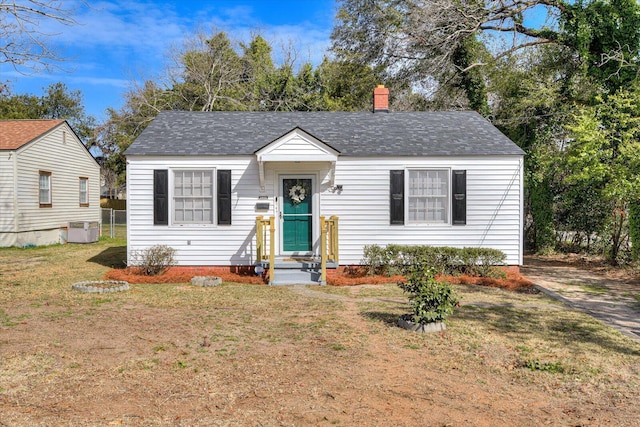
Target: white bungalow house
{"x":48,"y":178}
{"x":198,"y":181}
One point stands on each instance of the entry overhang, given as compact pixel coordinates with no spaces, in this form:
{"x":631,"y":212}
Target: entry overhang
{"x":296,"y":146}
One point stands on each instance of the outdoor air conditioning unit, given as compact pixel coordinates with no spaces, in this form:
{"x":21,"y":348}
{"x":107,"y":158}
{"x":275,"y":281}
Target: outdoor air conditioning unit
{"x":83,"y":232}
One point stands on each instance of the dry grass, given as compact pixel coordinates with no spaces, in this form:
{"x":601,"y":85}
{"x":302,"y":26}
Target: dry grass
{"x":238,"y":354}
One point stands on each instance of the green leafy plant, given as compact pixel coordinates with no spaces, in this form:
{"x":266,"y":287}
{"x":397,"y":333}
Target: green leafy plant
{"x":431,"y":300}
{"x":379,"y":260}
{"x":153,"y":260}
{"x":536,"y":365}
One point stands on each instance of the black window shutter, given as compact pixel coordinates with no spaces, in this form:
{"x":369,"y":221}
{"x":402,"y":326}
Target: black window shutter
{"x":459,"y":199}
{"x":397,"y":197}
{"x":160,"y":197}
{"x":224,"y":197}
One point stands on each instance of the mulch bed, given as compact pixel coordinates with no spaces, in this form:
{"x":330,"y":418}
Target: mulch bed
{"x":343,"y":276}
{"x":185,"y":274}
{"x":512,"y":282}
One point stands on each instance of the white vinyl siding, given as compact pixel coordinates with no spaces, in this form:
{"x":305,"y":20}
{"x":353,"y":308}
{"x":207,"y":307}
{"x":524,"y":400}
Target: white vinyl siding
{"x":193,"y":196}
{"x":494,"y":206}
{"x":45,"y":189}
{"x":195,"y":244}
{"x":7,"y":198}
{"x":83,"y":191}
{"x":428,"y":196}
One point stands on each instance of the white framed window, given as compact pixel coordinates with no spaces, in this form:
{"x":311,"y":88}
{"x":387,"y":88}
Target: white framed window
{"x":44,"y":188}
{"x":192,"y":196}
{"x":428,"y":196}
{"x":83,"y":191}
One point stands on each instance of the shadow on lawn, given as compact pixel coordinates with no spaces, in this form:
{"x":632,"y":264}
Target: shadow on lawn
{"x":114,"y":257}
{"x":559,"y":327}
{"x":389,"y":319}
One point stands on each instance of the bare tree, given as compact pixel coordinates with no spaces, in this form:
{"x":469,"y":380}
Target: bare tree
{"x":206,"y":74}
{"x":425,"y":34}
{"x":23,"y":42}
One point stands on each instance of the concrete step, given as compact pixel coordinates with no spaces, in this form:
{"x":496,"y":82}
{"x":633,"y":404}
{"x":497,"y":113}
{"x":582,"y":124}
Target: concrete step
{"x":288,"y":276}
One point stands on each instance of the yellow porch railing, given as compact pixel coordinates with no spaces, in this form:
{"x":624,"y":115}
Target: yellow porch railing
{"x":265,"y":232}
{"x":332,"y":235}
{"x":328,"y":244}
{"x":264,"y":225}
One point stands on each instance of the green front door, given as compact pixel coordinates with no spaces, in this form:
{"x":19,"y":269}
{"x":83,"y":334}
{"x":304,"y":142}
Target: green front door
{"x":296,"y":215}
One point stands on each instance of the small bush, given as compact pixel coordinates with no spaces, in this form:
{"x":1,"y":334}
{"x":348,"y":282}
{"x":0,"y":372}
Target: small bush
{"x":376,"y":260}
{"x":153,"y":260}
{"x":431,"y":300}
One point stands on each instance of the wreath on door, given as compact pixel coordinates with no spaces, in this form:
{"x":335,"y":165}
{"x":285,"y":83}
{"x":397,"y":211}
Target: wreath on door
{"x":297,"y":193}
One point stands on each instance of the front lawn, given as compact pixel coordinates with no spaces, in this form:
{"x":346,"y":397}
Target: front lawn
{"x":238,"y":354}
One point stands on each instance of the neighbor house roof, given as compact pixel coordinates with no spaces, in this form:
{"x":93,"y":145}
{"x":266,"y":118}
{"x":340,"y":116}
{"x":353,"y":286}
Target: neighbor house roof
{"x":351,"y":133}
{"x":16,"y":133}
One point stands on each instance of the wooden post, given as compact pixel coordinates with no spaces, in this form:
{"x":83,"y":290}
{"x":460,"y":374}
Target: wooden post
{"x":323,"y":251}
{"x":259,"y":239}
{"x":329,"y":241}
{"x":334,"y":239}
{"x":272,"y":250}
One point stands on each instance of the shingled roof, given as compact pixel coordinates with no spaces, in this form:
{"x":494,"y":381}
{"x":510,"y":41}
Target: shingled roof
{"x":359,"y":134}
{"x":16,"y":133}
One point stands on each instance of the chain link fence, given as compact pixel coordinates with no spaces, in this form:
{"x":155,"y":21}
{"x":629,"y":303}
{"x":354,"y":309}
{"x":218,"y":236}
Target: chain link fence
{"x":114,"y":223}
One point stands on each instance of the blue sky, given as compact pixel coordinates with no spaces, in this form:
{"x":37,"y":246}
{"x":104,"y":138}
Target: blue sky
{"x":119,"y":41}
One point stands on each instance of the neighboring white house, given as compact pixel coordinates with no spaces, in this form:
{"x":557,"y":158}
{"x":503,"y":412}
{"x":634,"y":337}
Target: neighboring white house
{"x":48,"y":178}
{"x":196,"y":181}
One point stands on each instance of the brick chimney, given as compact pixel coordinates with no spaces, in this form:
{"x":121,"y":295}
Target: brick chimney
{"x":381,"y":99}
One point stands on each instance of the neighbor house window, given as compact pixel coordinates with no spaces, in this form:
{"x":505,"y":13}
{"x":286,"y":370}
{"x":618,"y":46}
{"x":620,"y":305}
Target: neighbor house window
{"x":84,"y":191}
{"x":428,"y":196}
{"x":45,"y":189}
{"x":193,"y":197}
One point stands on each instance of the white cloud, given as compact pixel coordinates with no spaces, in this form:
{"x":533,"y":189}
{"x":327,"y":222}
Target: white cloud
{"x":117,"y":41}
{"x":143,"y":31}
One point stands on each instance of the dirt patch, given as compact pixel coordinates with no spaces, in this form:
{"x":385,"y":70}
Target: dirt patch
{"x":595,"y":264}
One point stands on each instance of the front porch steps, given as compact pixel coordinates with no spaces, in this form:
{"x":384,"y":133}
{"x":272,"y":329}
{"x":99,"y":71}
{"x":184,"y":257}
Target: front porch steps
{"x":295,"y":277}
{"x":297,"y":271}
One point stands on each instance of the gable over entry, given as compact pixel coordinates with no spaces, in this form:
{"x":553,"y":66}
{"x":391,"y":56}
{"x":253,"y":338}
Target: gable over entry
{"x":296,"y":146}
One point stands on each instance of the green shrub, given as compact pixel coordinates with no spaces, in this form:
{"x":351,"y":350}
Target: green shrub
{"x":382,"y":261}
{"x":153,"y":260}
{"x":431,"y":300}
{"x":375,"y":260}
{"x":400,"y":259}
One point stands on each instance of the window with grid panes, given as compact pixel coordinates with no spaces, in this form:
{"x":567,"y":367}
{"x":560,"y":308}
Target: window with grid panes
{"x":44,"y":189}
{"x":193,"y":196}
{"x":84,"y":191}
{"x":428,"y":196}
